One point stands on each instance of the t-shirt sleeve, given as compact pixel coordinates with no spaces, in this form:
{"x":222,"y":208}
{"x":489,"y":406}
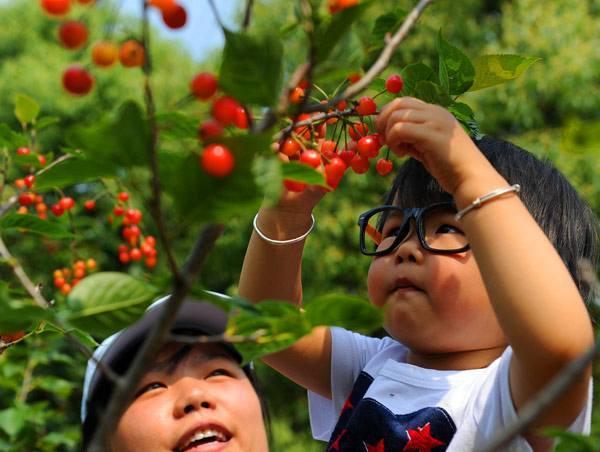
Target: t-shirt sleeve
{"x":495,"y":410}
{"x":350,"y":352}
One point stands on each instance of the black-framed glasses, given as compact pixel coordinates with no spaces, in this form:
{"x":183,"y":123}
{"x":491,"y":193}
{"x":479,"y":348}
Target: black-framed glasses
{"x":384,"y":228}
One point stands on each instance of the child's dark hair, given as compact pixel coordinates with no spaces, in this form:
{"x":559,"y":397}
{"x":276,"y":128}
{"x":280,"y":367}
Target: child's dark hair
{"x":553,"y":202}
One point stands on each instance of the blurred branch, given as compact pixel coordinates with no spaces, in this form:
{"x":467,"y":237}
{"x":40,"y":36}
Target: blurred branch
{"x":248,"y":14}
{"x":123,"y":393}
{"x":217,"y":15}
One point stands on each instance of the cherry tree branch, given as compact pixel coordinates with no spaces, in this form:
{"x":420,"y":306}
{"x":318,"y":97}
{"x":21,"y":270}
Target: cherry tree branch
{"x":247,"y":14}
{"x":123,"y":390}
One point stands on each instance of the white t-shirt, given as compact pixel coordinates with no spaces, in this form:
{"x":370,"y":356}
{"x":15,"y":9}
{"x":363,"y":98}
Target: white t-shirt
{"x":381,"y":403}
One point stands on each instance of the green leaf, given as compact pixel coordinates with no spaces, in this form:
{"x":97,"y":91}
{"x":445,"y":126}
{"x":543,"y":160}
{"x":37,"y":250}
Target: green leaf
{"x":491,"y":70}
{"x":332,"y":32}
{"x":268,"y":176}
{"x":350,"y":312}
{"x":177,"y":125}
{"x":220,"y":198}
{"x":386,"y":23}
{"x":73,"y":170}
{"x":274,"y":326}
{"x":252,"y":68}
{"x":26,"y":109}
{"x":35,"y":225}
{"x":122,"y":139}
{"x":415,"y":73}
{"x":105,"y":302}
{"x":456,"y":72}
{"x":46,"y":121}
{"x":12,"y":420}
{"x":20,"y":315}
{"x":462,"y":111}
{"x":302,"y":173}
{"x":432,"y":93}
{"x":10,"y":139}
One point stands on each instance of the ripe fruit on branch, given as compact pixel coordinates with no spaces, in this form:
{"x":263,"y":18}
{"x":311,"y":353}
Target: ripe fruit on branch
{"x":368,"y":146}
{"x":57,"y":209}
{"x":23,"y":151}
{"x":104,"y":53}
{"x":358,"y":130}
{"x":289,"y":147}
{"x":334,"y":171}
{"x":175,"y":17}
{"x":210,"y":129}
{"x":336,"y":6}
{"x":73,"y":34}
{"x":394,"y":84}
{"x":90,"y":204}
{"x":224,"y":110}
{"x":241,"y":118}
{"x":328,"y":149}
{"x":296,"y":95}
{"x":366,"y":106}
{"x":29,"y":180}
{"x":384,"y":167}
{"x":295,"y":186}
{"x":77,"y":80}
{"x":311,"y":158}
{"x":163,"y":5}
{"x":217,"y":160}
{"x":123,"y":196}
{"x":359,"y":164}
{"x":132,"y":54}
{"x":56,"y":7}
{"x":67,"y":203}
{"x":204,"y":85}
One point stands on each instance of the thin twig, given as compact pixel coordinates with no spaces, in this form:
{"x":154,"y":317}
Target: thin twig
{"x":123,"y":393}
{"x":22,"y":276}
{"x":386,"y":55}
{"x":247,"y":14}
{"x":217,"y":15}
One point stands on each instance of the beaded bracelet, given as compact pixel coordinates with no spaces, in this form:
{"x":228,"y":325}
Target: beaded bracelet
{"x":487,"y":197}
{"x":282,"y":242}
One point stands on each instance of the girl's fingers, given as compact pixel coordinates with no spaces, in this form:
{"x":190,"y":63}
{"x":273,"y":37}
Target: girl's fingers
{"x":401,"y":104}
{"x":400,"y":133}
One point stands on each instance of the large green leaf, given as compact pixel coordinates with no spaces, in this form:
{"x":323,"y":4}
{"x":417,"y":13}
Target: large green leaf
{"x":269,"y":178}
{"x":432,"y":93}
{"x":330,"y":34}
{"x":491,"y":70}
{"x":73,"y":170}
{"x":105,"y":302}
{"x":252,"y":68}
{"x":302,"y":173}
{"x":13,"y":420}
{"x":35,"y":225}
{"x":415,"y":73}
{"x":122,"y":139}
{"x":350,"y":312}
{"x":456,"y":72}
{"x":10,"y":139}
{"x":20,"y":315}
{"x":26,"y":109}
{"x":177,"y":125}
{"x":198,"y":195}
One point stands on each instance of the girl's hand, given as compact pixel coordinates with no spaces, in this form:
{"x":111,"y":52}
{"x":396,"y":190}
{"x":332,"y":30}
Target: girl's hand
{"x":431,"y":134}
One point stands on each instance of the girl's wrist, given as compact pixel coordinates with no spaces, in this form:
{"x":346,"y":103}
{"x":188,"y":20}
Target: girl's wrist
{"x":282,"y":224}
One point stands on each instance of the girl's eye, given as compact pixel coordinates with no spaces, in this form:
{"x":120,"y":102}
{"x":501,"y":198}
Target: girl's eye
{"x":149,"y":387}
{"x":219,"y":373}
{"x":448,"y":229}
{"x":390,"y":232}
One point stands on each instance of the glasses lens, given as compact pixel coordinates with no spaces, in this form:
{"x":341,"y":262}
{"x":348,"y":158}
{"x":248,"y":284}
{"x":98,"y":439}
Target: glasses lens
{"x":381,"y":230}
{"x":442,"y":231}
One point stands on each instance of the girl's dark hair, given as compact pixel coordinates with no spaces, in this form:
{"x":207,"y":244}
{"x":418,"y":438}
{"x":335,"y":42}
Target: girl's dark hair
{"x":563,"y":215}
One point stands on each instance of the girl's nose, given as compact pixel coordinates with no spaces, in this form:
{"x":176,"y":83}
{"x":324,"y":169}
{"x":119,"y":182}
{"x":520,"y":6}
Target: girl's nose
{"x":192,"y":395}
{"x":409,"y":250}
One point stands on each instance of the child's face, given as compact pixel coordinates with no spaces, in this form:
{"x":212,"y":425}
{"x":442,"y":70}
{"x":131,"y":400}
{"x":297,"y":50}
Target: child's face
{"x":206,"y":398}
{"x":434,"y":304}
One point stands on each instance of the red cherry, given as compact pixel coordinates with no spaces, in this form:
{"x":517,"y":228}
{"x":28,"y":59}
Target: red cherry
{"x":204,"y":85}
{"x":150,"y":262}
{"x":357,"y":130}
{"x":334,"y":171}
{"x":56,"y":7}
{"x":292,"y":185}
{"x":241,"y":118}
{"x":224,"y":110}
{"x":210,"y":129}
{"x":217,"y":160}
{"x":25,"y":199}
{"x":124,"y":257}
{"x":366,"y":106}
{"x":134,"y":216}
{"x":123,"y":196}
{"x":347,"y":155}
{"x":23,"y":151}
{"x":67,"y":203}
{"x":73,"y":34}
{"x":354,"y":77}
{"x":57,"y":209}
{"x":311,"y":158}
{"x":328,"y":149}
{"x":296,"y":95}
{"x":118,"y":211}
{"x":42,"y":160}
{"x":29,"y":180}
{"x":394,"y":84}
{"x":368,"y":146}
{"x":359,"y":164}
{"x":150,"y":240}
{"x":104,"y":53}
{"x":90,"y":204}
{"x":289,"y":147}
{"x":384,"y":167}
{"x":77,"y":80}
{"x":175,"y":17}
{"x":135,"y":254}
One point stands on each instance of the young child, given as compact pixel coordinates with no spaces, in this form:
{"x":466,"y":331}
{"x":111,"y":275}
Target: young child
{"x":483,"y":311}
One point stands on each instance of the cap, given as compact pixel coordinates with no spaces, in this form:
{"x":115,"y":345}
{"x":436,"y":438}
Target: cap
{"x":193,"y":317}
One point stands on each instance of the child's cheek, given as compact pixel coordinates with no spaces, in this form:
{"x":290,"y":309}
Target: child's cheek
{"x":376,"y":283}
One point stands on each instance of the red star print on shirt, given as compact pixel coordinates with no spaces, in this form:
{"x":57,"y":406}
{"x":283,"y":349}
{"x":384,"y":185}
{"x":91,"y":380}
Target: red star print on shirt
{"x":421,"y":440}
{"x":336,"y":444}
{"x":379,"y":447}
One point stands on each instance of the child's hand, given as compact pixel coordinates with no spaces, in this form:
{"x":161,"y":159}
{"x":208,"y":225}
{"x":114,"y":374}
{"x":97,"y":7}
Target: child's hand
{"x":431,"y":134}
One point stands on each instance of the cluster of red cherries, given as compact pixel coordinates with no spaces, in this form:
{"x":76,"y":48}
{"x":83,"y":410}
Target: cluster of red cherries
{"x":66,"y":278}
{"x":73,"y":34}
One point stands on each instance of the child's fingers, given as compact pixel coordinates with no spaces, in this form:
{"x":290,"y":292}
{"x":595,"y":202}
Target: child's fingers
{"x":399,"y":134}
{"x":397,"y":105}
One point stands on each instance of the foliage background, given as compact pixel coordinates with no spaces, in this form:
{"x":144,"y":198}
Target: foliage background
{"x":553,"y":110}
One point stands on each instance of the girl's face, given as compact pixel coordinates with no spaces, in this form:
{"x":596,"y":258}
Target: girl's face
{"x":202,"y":403}
{"x":436,"y":305}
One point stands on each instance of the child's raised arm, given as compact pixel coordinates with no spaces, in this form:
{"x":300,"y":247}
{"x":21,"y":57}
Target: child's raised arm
{"x":273,"y":272}
{"x":532,"y":293}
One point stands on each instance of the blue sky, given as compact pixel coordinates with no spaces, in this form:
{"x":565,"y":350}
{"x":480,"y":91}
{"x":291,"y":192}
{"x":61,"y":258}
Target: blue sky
{"x":201,"y":32}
